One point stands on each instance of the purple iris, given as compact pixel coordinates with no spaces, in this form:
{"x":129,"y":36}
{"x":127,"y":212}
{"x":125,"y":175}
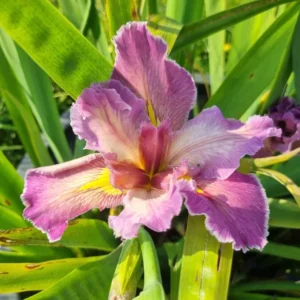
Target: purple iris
{"x":286,"y":115}
{"x":151,"y":158}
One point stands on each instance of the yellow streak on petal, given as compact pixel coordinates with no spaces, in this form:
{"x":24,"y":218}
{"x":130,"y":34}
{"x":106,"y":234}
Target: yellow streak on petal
{"x":102,"y":183}
{"x":187,"y":177}
{"x":151,"y":113}
{"x":199,"y":191}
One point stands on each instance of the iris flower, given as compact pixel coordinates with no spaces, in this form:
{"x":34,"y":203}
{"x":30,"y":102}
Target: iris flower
{"x":150,"y":158}
{"x":286,"y":116}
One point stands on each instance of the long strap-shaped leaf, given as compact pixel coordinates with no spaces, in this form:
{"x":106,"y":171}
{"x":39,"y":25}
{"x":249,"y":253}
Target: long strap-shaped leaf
{"x":197,"y":31}
{"x":206,"y":264}
{"x":153,"y":288}
{"x":21,"y":115}
{"x":11,"y":185}
{"x":90,"y":281}
{"x":128,"y":271}
{"x":100,"y":236}
{"x":21,"y":277}
{"x":37,"y":89}
{"x":54,"y":43}
{"x":256,"y":69}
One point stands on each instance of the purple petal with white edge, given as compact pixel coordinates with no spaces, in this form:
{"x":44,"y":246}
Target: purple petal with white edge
{"x":152,"y":208}
{"x":154,"y":143}
{"x":55,"y":194}
{"x":216,"y":144}
{"x":236,"y":209}
{"x":142,"y":65}
{"x":108,"y":117}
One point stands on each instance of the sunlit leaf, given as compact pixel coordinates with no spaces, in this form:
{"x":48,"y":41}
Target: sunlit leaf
{"x":210,"y":278}
{"x":99,"y":236}
{"x":128,"y":271}
{"x":21,"y":277}
{"x":90,"y":281}
{"x":284,"y":180}
{"x":272,"y":160}
{"x":56,"y":46}
{"x":167,"y":28}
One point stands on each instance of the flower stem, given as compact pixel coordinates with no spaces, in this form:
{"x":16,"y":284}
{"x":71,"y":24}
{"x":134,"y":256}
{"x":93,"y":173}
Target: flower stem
{"x":206,"y":264}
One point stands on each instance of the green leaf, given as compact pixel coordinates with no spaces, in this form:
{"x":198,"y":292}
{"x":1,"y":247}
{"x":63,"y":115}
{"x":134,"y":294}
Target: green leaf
{"x":21,"y":115}
{"x":89,"y":281}
{"x":11,"y":186}
{"x":185,"y":11}
{"x":252,"y":296}
{"x":284,"y":214}
{"x":99,"y":236}
{"x":272,"y":160}
{"x":128,"y":271}
{"x":270,"y":285}
{"x":166,"y":28}
{"x":216,"y":47}
{"x":33,"y":254}
{"x":206,"y":264}
{"x":296,"y":57}
{"x":284,"y":180}
{"x":153,"y":288}
{"x":77,"y":11}
{"x":37,"y":90}
{"x":256,"y":69}
{"x":279,"y":83}
{"x":273,"y":188}
{"x":240,"y":42}
{"x":174,"y":252}
{"x":21,"y":277}
{"x":283,"y":251}
{"x":10,"y":219}
{"x":56,"y":46}
{"x":85,"y":17}
{"x":118,"y":13}
{"x":196,"y":31}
